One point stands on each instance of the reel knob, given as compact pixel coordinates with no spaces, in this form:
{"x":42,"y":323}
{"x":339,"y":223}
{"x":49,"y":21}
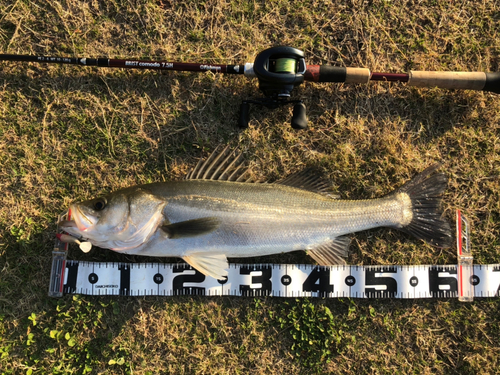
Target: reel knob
{"x":299,"y":118}
{"x":244,"y":115}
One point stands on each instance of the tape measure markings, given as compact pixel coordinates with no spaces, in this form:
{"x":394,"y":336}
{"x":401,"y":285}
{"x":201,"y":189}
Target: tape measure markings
{"x":284,"y":280}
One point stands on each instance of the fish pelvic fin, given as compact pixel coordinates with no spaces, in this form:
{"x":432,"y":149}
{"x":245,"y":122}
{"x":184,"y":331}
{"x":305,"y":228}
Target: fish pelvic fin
{"x":332,"y":252}
{"x":191,"y":228}
{"x":214,"y":265}
{"x":423,"y":194}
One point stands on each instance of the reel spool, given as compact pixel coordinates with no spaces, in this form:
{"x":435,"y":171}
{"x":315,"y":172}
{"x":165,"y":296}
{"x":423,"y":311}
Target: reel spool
{"x":279,"y":70}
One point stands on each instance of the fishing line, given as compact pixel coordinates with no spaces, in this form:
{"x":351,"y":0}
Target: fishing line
{"x":285,"y":65}
{"x":463,"y":280}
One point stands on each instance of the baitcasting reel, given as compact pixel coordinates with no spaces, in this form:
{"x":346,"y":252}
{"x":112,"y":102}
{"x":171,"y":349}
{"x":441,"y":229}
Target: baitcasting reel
{"x":279,"y":70}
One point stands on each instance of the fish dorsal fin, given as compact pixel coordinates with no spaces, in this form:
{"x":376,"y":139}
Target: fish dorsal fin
{"x":308,"y":180}
{"x":214,"y":265}
{"x":225,"y":165}
{"x":332,"y":252}
{"x":190,"y":228}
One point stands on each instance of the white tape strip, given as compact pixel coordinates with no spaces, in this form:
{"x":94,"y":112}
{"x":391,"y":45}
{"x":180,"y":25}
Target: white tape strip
{"x":278,"y":280}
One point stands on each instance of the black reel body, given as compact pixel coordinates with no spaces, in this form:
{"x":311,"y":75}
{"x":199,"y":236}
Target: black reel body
{"x":279,"y":70}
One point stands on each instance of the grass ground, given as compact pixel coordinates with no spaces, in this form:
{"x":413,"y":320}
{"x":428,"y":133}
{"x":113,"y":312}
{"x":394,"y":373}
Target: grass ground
{"x":69,"y":133}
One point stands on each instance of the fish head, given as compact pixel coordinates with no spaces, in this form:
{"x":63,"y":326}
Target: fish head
{"x":119,"y":221}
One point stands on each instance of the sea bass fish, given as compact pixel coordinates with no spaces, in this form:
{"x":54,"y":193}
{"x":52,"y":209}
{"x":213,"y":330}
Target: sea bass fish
{"x":213,"y":215}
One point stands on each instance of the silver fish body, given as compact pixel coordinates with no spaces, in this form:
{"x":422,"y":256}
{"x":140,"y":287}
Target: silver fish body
{"x":206,"y":221}
{"x":264,"y":219}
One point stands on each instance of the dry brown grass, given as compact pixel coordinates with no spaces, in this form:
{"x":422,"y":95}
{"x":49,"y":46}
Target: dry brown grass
{"x":69,"y":133}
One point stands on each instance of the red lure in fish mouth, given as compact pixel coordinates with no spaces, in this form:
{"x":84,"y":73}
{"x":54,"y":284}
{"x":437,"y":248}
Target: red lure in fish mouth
{"x":67,"y":238}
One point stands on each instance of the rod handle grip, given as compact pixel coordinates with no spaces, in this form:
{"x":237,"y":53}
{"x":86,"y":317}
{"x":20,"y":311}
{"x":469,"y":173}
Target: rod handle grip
{"x":492,"y":82}
{"x":328,"y":73}
{"x":479,"y":81}
{"x":357,"y":75}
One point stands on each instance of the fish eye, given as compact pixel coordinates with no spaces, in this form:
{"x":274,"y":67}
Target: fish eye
{"x":100,"y":204}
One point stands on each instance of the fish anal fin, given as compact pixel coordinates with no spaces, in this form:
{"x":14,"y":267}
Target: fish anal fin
{"x":191,"y":228}
{"x":332,"y":252}
{"x":308,"y":180}
{"x":214,"y":265}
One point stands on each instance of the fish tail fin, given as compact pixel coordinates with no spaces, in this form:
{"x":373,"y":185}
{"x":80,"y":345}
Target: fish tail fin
{"x":425,"y":192}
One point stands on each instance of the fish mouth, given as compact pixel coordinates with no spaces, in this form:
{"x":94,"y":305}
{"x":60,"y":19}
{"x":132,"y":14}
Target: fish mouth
{"x":77,"y":220}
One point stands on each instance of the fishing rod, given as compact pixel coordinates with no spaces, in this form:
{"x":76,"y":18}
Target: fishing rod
{"x":280,"y":69}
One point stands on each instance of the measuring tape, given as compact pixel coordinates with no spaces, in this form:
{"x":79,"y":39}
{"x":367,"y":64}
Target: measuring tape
{"x":463,"y":281}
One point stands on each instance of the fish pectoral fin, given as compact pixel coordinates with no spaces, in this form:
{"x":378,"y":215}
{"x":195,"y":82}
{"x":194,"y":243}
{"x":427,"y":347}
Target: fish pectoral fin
{"x":191,"y":228}
{"x":214,"y":265}
{"x":332,"y":252}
